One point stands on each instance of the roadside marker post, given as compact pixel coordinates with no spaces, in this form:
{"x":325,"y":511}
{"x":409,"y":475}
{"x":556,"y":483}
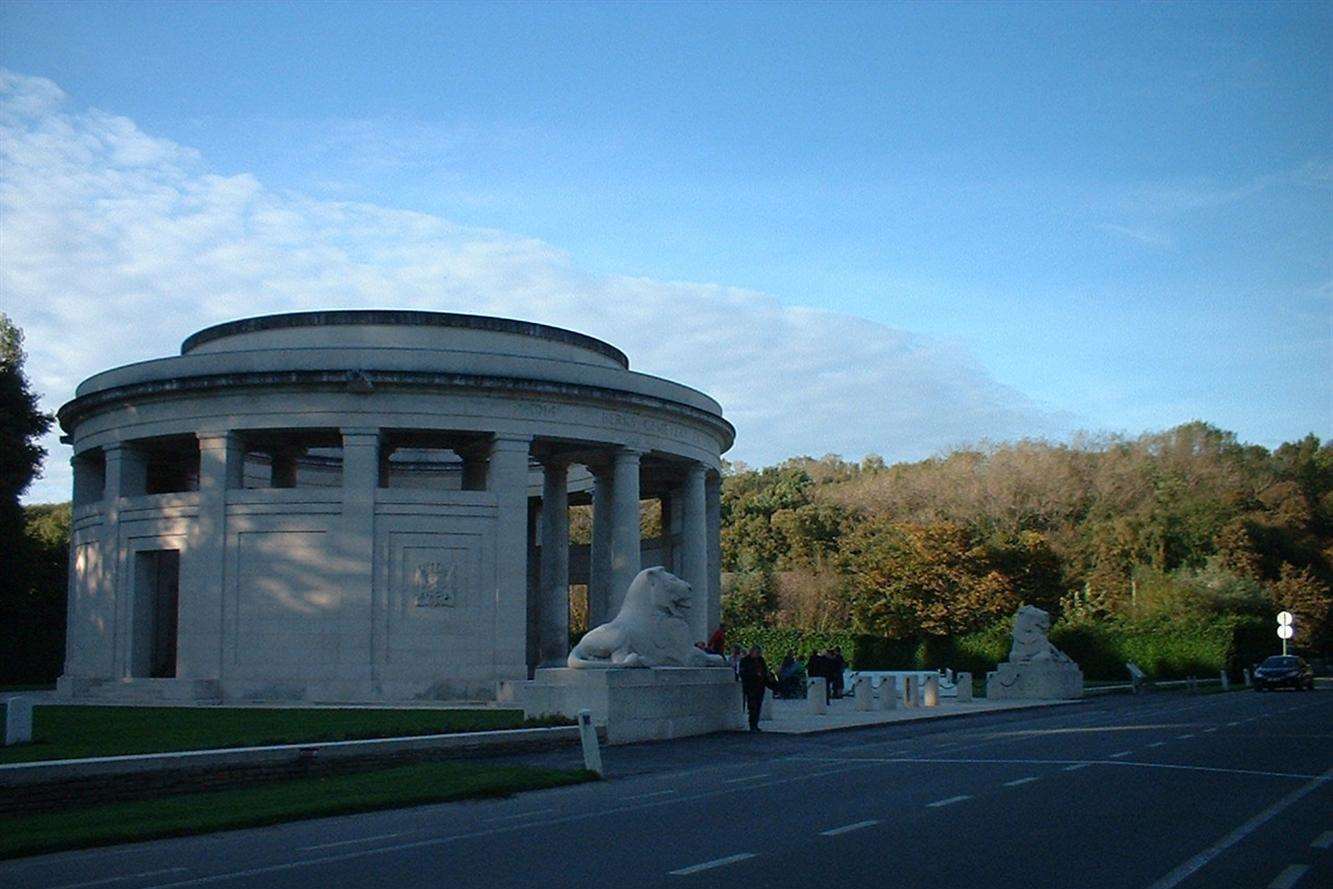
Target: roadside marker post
{"x":592,"y":754}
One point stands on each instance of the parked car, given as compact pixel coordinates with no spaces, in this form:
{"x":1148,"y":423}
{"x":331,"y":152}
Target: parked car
{"x":1284,"y":670}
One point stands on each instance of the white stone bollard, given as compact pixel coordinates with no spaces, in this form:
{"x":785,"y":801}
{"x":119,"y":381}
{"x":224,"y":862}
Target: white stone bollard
{"x":930,"y":692}
{"x":18,"y":721}
{"x":816,"y":695}
{"x":888,"y":693}
{"x":592,"y":754}
{"x":766,"y":708}
{"x":1246,"y":673}
{"x":963,"y":688}
{"x":864,"y":692}
{"x":1226,"y":680}
{"x":910,"y":684}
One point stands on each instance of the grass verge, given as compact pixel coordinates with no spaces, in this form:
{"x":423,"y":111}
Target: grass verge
{"x":70,"y":731}
{"x":316,"y":797}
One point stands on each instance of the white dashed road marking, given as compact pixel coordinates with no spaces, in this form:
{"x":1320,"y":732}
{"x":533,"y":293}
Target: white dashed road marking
{"x":947,"y":802}
{"x":108,"y":880}
{"x":709,"y":865}
{"x":518,"y":815}
{"x":1289,"y":876}
{"x":1076,"y":766}
{"x":1019,"y":781}
{"x":1183,"y":737}
{"x":748,"y":778}
{"x":649,"y":795}
{"x":1157,"y":744}
{"x":1121,"y":753}
{"x":847,"y":828}
{"x":383,"y":836}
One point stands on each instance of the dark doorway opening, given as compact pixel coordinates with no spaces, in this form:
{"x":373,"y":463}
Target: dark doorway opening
{"x":156,"y":613}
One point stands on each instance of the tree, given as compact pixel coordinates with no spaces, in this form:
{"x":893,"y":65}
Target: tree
{"x":1299,"y":591}
{"x":22,"y":423}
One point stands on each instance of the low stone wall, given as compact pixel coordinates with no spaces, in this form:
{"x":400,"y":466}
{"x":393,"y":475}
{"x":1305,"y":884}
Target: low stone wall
{"x":59,"y":784}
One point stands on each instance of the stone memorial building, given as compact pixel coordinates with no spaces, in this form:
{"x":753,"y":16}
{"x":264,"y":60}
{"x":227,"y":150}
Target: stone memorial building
{"x":371,"y":505}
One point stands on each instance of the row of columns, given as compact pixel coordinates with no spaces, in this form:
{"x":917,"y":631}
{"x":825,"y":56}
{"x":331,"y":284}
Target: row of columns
{"x":615,"y":552}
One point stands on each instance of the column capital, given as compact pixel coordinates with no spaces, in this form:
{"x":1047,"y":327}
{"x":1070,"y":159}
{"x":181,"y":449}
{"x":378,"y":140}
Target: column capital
{"x":359,"y":434}
{"x":510,"y":442}
{"x":215,"y":439}
{"x":696,"y":470}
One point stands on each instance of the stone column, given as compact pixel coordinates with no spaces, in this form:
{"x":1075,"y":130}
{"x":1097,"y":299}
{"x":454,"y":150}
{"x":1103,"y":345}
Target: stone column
{"x":126,"y":476}
{"x":554,"y":608}
{"x":694,"y":550}
{"x":199,"y":636}
{"x":624,"y":527}
{"x":361,"y":473}
{"x":713,"y":509}
{"x":599,"y":567}
{"x":507,"y":479}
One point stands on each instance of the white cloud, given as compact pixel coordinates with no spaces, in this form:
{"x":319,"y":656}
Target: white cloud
{"x":116,"y":245}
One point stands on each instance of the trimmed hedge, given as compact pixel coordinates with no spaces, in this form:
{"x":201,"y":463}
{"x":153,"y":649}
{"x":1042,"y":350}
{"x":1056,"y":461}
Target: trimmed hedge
{"x":1164,"y":648}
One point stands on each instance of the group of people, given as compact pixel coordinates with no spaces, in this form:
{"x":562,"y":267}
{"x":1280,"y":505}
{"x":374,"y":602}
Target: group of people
{"x":754,"y":675}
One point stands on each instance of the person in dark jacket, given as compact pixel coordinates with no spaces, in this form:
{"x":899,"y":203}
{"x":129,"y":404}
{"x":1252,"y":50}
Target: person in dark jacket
{"x":817,"y":668}
{"x":754,"y":679}
{"x":836,"y":670}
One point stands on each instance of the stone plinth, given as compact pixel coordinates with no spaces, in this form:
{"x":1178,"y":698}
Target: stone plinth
{"x":1042,"y":680}
{"x":636,"y":704}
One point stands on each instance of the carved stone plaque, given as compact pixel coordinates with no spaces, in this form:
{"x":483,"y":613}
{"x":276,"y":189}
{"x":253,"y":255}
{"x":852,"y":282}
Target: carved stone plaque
{"x":435,"y":585}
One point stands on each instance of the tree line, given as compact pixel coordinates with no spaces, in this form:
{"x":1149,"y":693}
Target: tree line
{"x":1187,"y":523}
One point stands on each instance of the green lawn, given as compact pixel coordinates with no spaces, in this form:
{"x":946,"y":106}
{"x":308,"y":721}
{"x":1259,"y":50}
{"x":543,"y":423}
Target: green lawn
{"x":195,"y":813}
{"x":69,"y":732}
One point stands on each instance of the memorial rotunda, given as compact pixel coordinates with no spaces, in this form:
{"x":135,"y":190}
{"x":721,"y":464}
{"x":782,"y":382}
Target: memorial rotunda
{"x":372,"y":505}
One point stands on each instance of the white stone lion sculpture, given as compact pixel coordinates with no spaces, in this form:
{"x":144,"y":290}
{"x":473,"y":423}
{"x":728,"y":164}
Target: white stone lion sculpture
{"x":651,"y":630}
{"x":1031,"y":625}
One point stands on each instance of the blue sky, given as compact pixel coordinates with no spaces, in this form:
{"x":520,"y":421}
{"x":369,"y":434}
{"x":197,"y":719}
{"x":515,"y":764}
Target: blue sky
{"x":1039,"y":217}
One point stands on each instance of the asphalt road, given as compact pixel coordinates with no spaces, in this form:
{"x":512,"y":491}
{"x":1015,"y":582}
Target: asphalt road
{"x":1155,"y":792}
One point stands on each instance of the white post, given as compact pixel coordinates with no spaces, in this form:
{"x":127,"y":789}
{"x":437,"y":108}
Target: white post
{"x":962,"y":688}
{"x":816,"y":695}
{"x":592,"y":754}
{"x":1226,"y":680}
{"x":1246,"y":673}
{"x":18,"y":721}
{"x":888,"y":693}
{"x":864,"y":693}
{"x":931,"y":692}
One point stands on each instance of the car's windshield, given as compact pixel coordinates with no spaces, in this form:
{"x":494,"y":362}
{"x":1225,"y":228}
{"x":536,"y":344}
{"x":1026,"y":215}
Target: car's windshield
{"x":1279,"y":661}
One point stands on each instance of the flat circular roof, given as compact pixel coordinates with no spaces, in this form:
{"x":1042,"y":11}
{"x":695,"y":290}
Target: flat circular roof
{"x":404,"y":317}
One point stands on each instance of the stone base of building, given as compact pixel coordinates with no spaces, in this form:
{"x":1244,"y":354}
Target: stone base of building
{"x":254,"y":691}
{"x":655,"y":704}
{"x":1041,"y":680}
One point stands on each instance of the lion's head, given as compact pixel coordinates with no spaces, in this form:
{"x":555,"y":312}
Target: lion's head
{"x":659,"y":591}
{"x":1031,"y":625}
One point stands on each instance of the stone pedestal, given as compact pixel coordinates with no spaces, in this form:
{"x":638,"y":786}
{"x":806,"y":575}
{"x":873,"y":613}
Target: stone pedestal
{"x":888,"y":693}
{"x":636,"y":704}
{"x":1050,"y":680}
{"x":816,"y":695}
{"x":963,"y":688}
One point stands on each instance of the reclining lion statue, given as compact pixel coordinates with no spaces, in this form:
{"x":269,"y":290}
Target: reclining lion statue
{"x":1031,"y":625}
{"x":651,"y":630}
{"x":1036,"y":668}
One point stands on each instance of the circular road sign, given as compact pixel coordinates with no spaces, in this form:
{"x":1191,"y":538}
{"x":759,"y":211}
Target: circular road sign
{"x":1284,"y":618}
{"x":1284,"y":631}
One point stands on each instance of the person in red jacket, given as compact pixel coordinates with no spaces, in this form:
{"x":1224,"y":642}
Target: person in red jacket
{"x":717,"y":643}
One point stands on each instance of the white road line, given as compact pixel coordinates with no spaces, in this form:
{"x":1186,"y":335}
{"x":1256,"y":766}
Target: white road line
{"x":1198,"y":862}
{"x":1019,"y":781}
{"x":106,"y":880}
{"x":1289,"y":876}
{"x":1157,"y":744}
{"x":1209,"y":731}
{"x":847,"y":828}
{"x":1183,"y":737}
{"x":709,"y":865}
{"x":1323,"y":841}
{"x":1076,"y":766}
{"x":748,"y":778}
{"x":517,"y":815}
{"x":1121,"y":753}
{"x":649,"y":795}
{"x":947,"y":802}
{"x":1232,"y":724}
{"x":383,"y":836}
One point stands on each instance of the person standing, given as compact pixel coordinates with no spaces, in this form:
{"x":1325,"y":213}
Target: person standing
{"x":754,"y":679}
{"x":717,"y":643}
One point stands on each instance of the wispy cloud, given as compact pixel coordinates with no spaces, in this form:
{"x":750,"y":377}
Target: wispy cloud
{"x":118,"y":244}
{"x":1143,"y":235}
